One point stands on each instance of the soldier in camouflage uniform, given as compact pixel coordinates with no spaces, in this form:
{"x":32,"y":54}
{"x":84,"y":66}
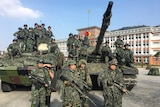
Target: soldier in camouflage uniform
{"x":85,"y":42}
{"x":30,"y":47}
{"x":70,"y":95}
{"x":43,"y":29}
{"x":118,"y":42}
{"x":128,"y":54}
{"x":70,"y":42}
{"x":49,"y":33}
{"x":86,"y":79}
{"x":53,"y":47}
{"x":111,"y":93}
{"x":20,"y":35}
{"x":14,"y":49}
{"x":26,"y":32}
{"x":73,"y":53}
{"x":106,"y":53}
{"x":77,"y":42}
{"x":38,"y":90}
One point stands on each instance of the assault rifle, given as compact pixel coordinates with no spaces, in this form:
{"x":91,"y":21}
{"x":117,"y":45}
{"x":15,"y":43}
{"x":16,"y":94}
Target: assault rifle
{"x":32,"y":76}
{"x":121,"y":87}
{"x":73,"y":84}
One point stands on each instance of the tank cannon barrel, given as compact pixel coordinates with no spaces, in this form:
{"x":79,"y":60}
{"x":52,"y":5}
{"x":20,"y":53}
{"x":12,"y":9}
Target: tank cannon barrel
{"x":105,"y":23}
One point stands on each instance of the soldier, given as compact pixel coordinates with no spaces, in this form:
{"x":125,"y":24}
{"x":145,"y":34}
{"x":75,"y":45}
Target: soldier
{"x":70,"y":41}
{"x":73,"y":53}
{"x":85,"y":41}
{"x":70,"y":94}
{"x":26,"y":32}
{"x":13,"y":49}
{"x":128,"y":54}
{"x":30,"y":47}
{"x":53,"y":47}
{"x":106,"y":53}
{"x":112,"y":93}
{"x":43,"y":29}
{"x":49,"y":33}
{"x":20,"y":38}
{"x":39,"y":88}
{"x":77,"y":42}
{"x":118,"y":42}
{"x":86,"y":80}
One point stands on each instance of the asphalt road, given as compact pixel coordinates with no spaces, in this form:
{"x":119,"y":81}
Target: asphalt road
{"x":145,"y":94}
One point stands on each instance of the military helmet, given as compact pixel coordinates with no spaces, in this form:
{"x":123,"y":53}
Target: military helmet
{"x":82,"y":61}
{"x":107,"y":41}
{"x":14,"y":40}
{"x":30,"y":28}
{"x":126,"y":45}
{"x":119,"y":36}
{"x":49,"y":26}
{"x":113,"y":62}
{"x":71,"y":62}
{"x":43,"y":24}
{"x":36,"y":24}
{"x":19,"y":28}
{"x":25,"y":25}
{"x":40,"y":61}
{"x":71,"y":34}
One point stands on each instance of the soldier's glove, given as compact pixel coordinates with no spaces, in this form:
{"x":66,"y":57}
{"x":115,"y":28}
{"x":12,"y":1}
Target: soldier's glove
{"x":67,"y":83}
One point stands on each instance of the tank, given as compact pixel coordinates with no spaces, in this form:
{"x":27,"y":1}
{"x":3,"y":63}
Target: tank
{"x":93,"y":56}
{"x":15,"y":72}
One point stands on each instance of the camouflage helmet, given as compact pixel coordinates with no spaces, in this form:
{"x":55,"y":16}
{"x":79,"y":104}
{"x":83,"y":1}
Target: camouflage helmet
{"x":49,"y":26}
{"x":30,"y":28}
{"x":40,"y":61}
{"x":82,"y":61}
{"x":126,"y":45}
{"x":14,"y":40}
{"x":113,"y":62}
{"x":19,"y":28}
{"x":71,"y":34}
{"x":71,"y":62}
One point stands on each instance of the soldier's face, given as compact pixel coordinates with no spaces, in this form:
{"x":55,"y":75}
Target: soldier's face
{"x":113,"y":67}
{"x":73,"y":67}
{"x":82,"y":66}
{"x":40,"y":65}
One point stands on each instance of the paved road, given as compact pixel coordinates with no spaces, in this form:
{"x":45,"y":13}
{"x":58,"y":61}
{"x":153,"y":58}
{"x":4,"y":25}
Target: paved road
{"x":145,"y":94}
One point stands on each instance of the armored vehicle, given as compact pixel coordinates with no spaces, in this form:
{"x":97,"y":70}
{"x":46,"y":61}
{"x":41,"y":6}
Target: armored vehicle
{"x":15,"y":72}
{"x":94,"y":58}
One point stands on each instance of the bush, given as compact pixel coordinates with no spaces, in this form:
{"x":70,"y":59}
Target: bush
{"x":154,"y":71}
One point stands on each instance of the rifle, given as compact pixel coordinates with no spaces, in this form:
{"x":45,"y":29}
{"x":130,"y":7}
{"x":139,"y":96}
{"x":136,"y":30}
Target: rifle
{"x":32,"y":76}
{"x":73,"y":84}
{"x":121,"y":87}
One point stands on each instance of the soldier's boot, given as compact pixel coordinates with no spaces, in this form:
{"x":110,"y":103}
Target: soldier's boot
{"x":48,"y":101}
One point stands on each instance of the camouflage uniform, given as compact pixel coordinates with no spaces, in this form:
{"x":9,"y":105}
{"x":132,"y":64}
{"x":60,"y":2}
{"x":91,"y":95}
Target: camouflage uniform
{"x":73,"y":53}
{"x":14,"y":49}
{"x":70,"y":95}
{"x":128,"y":55}
{"x":70,"y":42}
{"x":31,"y":44}
{"x":85,"y":42}
{"x":118,"y":42}
{"x":38,"y":91}
{"x":21,"y":38}
{"x":106,"y":53}
{"x":49,"y":33}
{"x":112,"y":94}
{"x":85,"y":78}
{"x":77,"y":42}
{"x":53,"y":47}
{"x":26,"y":32}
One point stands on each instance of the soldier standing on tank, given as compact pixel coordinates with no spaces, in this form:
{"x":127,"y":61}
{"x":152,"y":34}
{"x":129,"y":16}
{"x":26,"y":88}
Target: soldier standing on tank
{"x":70,"y":42}
{"x":49,"y":33}
{"x":43,"y":30}
{"x":128,"y":55}
{"x":14,"y":49}
{"x":26,"y":31}
{"x":38,"y":90}
{"x":70,"y":94}
{"x":30,"y":47}
{"x":85,"y":42}
{"x":20,"y":35}
{"x":111,"y":93}
{"x":106,"y":53}
{"x":86,"y":79}
{"x":77,"y":42}
{"x":39,"y":35}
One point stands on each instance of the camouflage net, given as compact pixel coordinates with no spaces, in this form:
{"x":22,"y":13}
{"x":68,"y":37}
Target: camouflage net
{"x":154,"y":71}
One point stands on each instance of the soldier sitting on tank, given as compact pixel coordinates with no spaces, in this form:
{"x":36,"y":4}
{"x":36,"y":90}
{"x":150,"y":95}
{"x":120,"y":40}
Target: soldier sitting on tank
{"x":106,"y":53}
{"x":53,"y":47}
{"x":77,"y":42}
{"x":118,"y":42}
{"x":128,"y":55}
{"x":14,"y":49}
{"x":73,"y":53}
{"x":70,"y":42}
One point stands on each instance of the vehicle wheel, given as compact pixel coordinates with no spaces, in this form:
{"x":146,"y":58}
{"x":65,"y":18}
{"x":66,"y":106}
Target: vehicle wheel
{"x":6,"y":87}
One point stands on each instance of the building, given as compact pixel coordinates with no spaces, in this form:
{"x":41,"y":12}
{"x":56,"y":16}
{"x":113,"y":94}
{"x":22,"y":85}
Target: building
{"x":62,"y":44}
{"x":144,"y":41}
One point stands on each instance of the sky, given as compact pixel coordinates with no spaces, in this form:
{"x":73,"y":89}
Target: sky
{"x":66,"y":16}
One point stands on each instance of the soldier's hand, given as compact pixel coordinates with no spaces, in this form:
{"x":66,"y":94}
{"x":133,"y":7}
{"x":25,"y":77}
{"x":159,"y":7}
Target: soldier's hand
{"x":67,"y":83}
{"x":124,"y":90}
{"x":46,"y":85}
